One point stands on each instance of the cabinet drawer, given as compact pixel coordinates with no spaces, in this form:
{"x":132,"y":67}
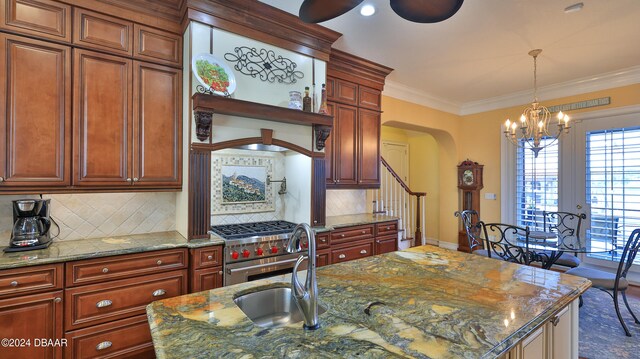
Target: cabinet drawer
{"x":157,"y":46}
{"x":351,"y":234}
{"x":386,"y":244}
{"x":322,"y":240}
{"x":206,"y":257}
{"x":357,"y":251}
{"x":102,"y":32}
{"x":205,"y":279}
{"x":369,"y":98}
{"x":42,"y":18}
{"x":27,"y":280}
{"x":127,"y":338}
{"x":386,"y":228}
{"x":125,"y":266}
{"x":99,"y":303}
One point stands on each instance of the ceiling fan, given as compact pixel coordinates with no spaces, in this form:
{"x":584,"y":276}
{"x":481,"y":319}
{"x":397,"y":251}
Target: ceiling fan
{"x":422,"y":11}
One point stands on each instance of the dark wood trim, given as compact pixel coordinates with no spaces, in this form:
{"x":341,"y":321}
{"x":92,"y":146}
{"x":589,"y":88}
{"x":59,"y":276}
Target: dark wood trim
{"x":199,"y":219}
{"x":233,"y":107}
{"x":267,"y":136}
{"x":249,"y":141}
{"x":265,"y":23}
{"x":356,"y":69}
{"x":318,"y":192}
{"x":399,"y":179}
{"x":321,"y":134}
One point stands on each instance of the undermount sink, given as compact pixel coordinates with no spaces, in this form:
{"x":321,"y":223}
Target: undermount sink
{"x":271,"y":308}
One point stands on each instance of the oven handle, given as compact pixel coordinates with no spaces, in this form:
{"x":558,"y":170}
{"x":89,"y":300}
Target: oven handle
{"x":262,"y":265}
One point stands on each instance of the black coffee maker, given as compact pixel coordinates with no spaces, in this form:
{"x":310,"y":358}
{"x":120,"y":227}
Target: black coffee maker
{"x":31,"y":224}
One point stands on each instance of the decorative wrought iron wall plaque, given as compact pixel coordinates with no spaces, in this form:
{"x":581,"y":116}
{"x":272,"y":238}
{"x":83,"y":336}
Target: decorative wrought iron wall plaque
{"x":210,"y":91}
{"x":264,"y":64}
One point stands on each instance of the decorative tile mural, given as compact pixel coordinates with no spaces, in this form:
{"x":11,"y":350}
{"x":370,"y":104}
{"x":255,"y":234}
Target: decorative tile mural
{"x":246,"y":164}
{"x":82,"y":216}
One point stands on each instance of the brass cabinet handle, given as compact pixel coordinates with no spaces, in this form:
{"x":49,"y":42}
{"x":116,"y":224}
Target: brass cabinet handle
{"x":104,"y":345}
{"x":128,"y":180}
{"x":104,"y":303}
{"x":209,"y":257}
{"x":364,"y":251}
{"x":14,"y":283}
{"x":342,"y":256}
{"x":135,"y":179}
{"x":159,"y":262}
{"x":159,"y":292}
{"x":105,"y":270}
{"x":57,"y":300}
{"x":1,"y":179}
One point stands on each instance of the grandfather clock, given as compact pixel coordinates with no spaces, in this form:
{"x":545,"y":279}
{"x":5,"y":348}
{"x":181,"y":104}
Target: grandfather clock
{"x":470,"y":182}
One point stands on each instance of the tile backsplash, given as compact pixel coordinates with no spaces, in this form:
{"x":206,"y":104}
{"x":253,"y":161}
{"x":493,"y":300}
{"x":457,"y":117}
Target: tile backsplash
{"x":341,"y":202}
{"x":83,"y":216}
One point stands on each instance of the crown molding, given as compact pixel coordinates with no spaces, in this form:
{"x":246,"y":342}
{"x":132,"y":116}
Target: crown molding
{"x":624,"y":77}
{"x":413,"y":95}
{"x":583,"y":85}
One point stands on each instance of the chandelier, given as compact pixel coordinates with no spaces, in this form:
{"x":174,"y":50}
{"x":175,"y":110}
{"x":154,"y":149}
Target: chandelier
{"x":535,"y":121}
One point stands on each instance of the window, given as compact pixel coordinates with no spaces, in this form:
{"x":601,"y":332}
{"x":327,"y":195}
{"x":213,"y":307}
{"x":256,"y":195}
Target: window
{"x":612,"y":187}
{"x":536,"y":183}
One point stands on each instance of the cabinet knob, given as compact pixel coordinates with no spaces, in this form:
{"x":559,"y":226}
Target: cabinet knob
{"x":105,"y":270}
{"x":128,"y":180}
{"x":104,"y":345}
{"x":159,"y":292}
{"x":209,"y":257}
{"x":135,"y":179}
{"x":14,"y":283}
{"x":159,"y":262}
{"x":57,"y":300}
{"x":378,"y":242}
{"x":1,"y":179}
{"x":555,"y":320}
{"x":363,"y":232}
{"x":323,"y":240}
{"x":342,"y":256}
{"x":388,"y":228}
{"x":342,"y":235}
{"x":337,"y":181}
{"x":220,"y":273}
{"x":103,"y":303}
{"x":315,"y":222}
{"x":364,"y":251}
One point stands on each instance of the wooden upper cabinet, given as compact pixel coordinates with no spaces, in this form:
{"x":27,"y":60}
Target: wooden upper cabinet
{"x":329,"y":171}
{"x":102,"y":119}
{"x":41,"y":18}
{"x":345,"y":144}
{"x":369,"y":98}
{"x":157,"y":46}
{"x":35,"y":102}
{"x":102,"y":32}
{"x":157,"y":134}
{"x":368,"y":148}
{"x":345,"y":92}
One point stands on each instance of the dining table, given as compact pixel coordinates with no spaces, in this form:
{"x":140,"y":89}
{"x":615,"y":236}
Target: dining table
{"x":546,"y":247}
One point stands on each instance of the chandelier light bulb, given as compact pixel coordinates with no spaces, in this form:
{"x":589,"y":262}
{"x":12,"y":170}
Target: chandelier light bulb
{"x":507,"y":124}
{"x":523,"y":119}
{"x":367,"y":10}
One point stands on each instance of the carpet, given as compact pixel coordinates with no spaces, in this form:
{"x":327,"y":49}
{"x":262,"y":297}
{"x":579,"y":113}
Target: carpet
{"x":601,"y":335}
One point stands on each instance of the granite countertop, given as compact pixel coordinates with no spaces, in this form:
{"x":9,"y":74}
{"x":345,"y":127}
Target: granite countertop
{"x":62,"y":251}
{"x":335,"y":222}
{"x":435,"y":303}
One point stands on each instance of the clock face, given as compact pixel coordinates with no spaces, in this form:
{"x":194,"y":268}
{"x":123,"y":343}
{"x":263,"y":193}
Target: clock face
{"x":467,"y":177}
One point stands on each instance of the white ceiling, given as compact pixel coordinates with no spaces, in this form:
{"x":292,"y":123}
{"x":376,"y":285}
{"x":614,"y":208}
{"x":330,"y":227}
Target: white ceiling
{"x":479,"y":55}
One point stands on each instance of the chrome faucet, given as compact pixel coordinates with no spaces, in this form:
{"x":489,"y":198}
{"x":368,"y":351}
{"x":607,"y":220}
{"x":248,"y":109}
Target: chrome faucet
{"x":306,"y":297}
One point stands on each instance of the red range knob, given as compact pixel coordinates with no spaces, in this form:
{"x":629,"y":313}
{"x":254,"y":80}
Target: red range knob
{"x":259,"y":251}
{"x":246,"y":253}
{"x":274,"y":249}
{"x":305,"y":244}
{"x":235,"y":255}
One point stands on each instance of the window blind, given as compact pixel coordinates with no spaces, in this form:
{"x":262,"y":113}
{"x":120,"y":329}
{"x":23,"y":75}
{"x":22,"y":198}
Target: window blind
{"x":537,"y":184}
{"x":612,"y":187}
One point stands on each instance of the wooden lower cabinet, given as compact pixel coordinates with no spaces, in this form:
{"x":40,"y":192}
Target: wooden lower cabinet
{"x":126,"y":338}
{"x":205,"y":279}
{"x":353,"y":251}
{"x":31,"y":318}
{"x":386,"y":244}
{"x":323,"y":258}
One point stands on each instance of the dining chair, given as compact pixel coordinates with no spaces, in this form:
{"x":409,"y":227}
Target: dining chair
{"x":502,"y":241}
{"x":470,"y":220}
{"x":613,"y":284}
{"x":565,"y":225}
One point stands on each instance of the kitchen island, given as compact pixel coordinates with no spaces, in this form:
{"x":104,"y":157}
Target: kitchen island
{"x":425,"y":302}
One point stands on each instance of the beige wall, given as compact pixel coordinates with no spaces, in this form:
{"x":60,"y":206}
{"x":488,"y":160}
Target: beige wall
{"x":476,"y":137}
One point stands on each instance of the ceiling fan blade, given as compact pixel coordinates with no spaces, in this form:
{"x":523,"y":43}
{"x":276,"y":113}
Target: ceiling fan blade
{"x":426,"y":11}
{"x":315,"y":11}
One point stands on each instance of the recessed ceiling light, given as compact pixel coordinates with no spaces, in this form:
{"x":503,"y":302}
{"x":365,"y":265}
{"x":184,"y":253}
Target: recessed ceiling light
{"x":573,"y":8}
{"x":367,"y":10}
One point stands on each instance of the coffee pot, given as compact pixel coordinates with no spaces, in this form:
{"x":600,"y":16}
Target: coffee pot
{"x":31,"y":224}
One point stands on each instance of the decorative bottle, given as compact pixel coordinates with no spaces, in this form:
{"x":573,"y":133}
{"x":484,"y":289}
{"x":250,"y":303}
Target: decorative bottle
{"x":306,"y":100}
{"x":323,"y":102}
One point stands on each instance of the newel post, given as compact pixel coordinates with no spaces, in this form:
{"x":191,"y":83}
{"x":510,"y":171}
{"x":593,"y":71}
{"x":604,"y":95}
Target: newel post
{"x":418,"y":234}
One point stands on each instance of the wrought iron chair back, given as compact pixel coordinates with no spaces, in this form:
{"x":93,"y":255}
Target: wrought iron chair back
{"x":470,"y":220}
{"x":628,"y":256}
{"x":565,"y":224}
{"x":501,"y":240}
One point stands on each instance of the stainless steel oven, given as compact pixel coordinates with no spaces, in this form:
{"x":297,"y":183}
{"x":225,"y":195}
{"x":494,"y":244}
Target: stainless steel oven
{"x":235,"y":273}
